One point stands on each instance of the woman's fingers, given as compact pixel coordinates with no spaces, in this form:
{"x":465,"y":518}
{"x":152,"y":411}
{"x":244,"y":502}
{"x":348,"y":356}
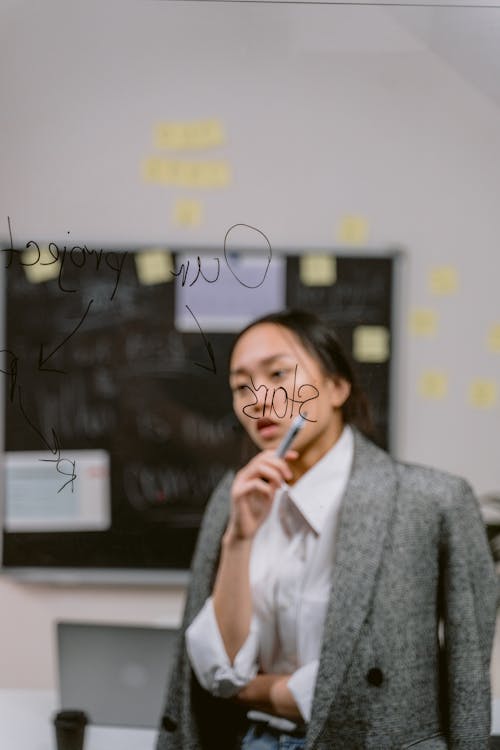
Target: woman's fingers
{"x":268,"y":461}
{"x":269,"y":474}
{"x":254,"y":488}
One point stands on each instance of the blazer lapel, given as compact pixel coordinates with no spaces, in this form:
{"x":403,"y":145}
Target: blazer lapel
{"x":364,"y":516}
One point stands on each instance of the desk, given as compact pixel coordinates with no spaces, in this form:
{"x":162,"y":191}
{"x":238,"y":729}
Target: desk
{"x":25,"y":724}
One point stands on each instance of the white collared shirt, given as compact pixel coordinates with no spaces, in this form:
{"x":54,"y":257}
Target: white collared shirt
{"x":290,"y":574}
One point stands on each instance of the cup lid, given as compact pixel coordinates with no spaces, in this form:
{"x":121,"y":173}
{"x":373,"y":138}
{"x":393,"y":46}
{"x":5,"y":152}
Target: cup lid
{"x":70,"y":717}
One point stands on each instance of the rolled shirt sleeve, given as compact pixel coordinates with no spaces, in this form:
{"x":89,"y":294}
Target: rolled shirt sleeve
{"x":301,"y":684}
{"x":209,"y":658}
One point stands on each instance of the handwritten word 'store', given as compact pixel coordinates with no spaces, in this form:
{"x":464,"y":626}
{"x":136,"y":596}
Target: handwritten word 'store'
{"x":280,"y":394}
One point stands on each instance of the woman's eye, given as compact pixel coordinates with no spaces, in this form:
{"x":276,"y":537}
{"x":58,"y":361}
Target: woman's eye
{"x":277,"y":374}
{"x":240,"y":388}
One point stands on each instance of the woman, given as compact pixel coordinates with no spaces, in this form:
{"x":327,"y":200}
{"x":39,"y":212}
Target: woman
{"x":320,"y":580}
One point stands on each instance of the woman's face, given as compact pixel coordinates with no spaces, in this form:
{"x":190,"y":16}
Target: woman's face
{"x":273,"y":378}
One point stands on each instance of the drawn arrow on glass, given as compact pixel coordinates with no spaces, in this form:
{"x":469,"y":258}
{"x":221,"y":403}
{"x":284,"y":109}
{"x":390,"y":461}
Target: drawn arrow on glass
{"x":42,"y":360}
{"x":208,"y":346}
{"x":56,"y":448}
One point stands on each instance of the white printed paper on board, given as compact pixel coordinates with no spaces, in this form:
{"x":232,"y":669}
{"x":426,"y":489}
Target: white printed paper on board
{"x":231,"y":298}
{"x":68,"y":494}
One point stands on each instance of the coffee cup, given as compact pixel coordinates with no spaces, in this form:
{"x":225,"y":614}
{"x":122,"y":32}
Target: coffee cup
{"x":69,"y":726}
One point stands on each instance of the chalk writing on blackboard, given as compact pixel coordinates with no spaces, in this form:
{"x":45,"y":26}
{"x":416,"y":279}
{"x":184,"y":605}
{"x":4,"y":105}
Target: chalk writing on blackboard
{"x":146,"y":485}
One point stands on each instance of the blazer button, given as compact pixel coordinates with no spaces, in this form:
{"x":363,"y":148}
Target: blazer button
{"x":375,"y":676}
{"x":168,"y":724}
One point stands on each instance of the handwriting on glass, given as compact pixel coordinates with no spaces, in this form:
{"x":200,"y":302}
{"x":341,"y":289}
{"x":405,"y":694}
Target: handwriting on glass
{"x":76,"y":256}
{"x":281,"y":393}
{"x":183,"y":272}
{"x":184,"y":268}
{"x":15,"y":389}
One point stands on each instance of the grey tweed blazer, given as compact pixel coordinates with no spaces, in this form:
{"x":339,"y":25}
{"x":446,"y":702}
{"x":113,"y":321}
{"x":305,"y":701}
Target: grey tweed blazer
{"x":411,"y":551}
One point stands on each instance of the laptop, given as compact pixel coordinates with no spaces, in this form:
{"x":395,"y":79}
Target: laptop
{"x":117,"y":674}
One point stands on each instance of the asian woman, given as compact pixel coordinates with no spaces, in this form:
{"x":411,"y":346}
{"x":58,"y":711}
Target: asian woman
{"x":339,"y":599}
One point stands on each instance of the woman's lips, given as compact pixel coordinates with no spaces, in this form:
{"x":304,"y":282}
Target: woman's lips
{"x":267,"y":428}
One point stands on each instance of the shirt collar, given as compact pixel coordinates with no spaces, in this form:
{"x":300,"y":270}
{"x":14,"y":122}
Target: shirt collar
{"x":321,"y":488}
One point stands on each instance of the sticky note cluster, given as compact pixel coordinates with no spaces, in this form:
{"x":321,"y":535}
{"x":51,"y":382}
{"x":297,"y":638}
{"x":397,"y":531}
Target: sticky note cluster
{"x":481,"y":393}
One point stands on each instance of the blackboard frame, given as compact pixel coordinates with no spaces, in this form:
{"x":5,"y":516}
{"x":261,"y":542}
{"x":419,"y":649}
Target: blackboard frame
{"x":179,"y":576}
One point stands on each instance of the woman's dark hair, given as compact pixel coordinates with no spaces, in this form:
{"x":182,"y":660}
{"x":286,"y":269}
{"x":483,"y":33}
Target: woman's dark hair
{"x":320,"y":340}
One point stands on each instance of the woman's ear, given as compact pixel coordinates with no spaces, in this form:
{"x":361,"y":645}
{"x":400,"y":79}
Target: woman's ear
{"x":340,"y":390}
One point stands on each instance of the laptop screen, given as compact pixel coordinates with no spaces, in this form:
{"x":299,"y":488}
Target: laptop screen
{"x":117,"y":674}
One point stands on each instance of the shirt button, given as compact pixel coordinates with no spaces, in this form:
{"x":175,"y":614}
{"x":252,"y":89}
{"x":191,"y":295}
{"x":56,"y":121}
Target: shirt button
{"x":375,"y":676}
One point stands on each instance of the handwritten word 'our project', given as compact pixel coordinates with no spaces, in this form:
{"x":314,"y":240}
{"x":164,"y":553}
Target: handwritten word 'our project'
{"x":76,"y":256}
{"x":183,"y":271}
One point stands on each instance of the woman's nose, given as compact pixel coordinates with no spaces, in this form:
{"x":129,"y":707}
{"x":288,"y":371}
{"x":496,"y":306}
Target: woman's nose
{"x":259,"y":407}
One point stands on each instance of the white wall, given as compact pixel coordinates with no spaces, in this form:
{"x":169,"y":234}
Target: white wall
{"x":329,"y":111}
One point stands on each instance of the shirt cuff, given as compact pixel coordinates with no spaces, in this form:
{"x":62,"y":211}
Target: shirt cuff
{"x":301,"y":684}
{"x":209,"y":658}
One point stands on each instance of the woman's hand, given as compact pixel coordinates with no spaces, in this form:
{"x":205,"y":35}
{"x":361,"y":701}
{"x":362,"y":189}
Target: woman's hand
{"x":253,"y":491}
{"x":269,"y":693}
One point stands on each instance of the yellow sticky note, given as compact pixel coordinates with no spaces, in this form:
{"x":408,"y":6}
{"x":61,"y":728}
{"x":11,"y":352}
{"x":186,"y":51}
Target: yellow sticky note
{"x":187,"y":212}
{"x":352,"y":230}
{"x":483,"y":393}
{"x":318,"y":270}
{"x":154,"y":266}
{"x":371,"y":344}
{"x":443,"y":280}
{"x":190,"y":174}
{"x":189,"y":135}
{"x":206,"y":174}
{"x":493,"y":340}
{"x":423,"y":322}
{"x":433,"y":384}
{"x":44,"y":265}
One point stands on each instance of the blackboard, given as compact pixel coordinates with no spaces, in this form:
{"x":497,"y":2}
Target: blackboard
{"x":94,"y":361}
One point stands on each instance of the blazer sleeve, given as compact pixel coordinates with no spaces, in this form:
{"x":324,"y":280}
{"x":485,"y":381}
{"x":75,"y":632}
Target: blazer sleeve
{"x":185,"y":701}
{"x":469,"y":600}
